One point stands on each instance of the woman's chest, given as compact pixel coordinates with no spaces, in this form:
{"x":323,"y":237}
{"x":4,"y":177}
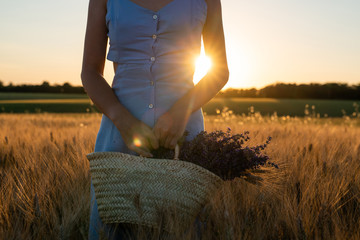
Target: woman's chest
{"x":153,"y":5}
{"x":172,"y":15}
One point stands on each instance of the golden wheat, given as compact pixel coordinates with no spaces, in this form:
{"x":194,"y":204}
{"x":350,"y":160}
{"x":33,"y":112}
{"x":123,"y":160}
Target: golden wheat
{"x":315,"y":194}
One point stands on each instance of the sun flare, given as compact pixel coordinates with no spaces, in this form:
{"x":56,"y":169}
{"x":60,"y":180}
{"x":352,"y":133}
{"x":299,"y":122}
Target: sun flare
{"x":202,"y":66}
{"x":137,"y":142}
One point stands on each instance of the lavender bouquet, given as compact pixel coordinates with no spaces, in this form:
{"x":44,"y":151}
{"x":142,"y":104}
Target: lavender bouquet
{"x":221,"y":152}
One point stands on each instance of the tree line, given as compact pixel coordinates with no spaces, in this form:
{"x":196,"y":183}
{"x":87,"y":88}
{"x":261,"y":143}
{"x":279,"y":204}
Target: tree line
{"x":278,"y":90}
{"x":301,"y":91}
{"x":45,"y":87}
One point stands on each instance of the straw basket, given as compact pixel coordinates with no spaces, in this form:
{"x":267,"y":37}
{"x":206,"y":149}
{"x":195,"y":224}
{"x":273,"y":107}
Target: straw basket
{"x":149,"y":192}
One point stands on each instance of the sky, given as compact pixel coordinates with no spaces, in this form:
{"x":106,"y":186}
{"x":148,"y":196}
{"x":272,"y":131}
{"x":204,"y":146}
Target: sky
{"x":298,"y":41}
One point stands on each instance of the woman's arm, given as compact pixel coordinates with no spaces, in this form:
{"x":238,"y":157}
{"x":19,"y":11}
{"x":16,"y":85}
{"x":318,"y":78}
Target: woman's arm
{"x":171,"y":126}
{"x":99,"y":90}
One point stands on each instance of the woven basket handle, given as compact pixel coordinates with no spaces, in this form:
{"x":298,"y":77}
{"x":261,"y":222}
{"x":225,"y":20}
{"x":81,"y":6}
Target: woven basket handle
{"x":177,"y":152}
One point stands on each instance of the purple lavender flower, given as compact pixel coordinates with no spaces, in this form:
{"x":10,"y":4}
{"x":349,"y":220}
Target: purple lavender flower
{"x":221,"y":152}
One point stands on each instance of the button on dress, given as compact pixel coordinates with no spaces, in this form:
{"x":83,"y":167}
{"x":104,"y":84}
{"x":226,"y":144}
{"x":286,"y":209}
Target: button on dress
{"x":155,"y":53}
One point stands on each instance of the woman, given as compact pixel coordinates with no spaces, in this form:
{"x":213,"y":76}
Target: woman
{"x":153,"y":44}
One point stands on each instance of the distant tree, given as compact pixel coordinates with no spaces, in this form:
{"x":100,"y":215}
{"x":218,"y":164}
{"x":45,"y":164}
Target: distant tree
{"x":67,"y":85}
{"x":45,"y":84}
{"x":312,"y":90}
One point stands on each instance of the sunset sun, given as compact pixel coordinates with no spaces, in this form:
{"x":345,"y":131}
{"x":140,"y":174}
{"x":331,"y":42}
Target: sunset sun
{"x":202,"y":66}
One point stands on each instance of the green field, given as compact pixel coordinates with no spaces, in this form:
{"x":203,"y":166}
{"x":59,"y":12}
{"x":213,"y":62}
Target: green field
{"x":29,"y":96}
{"x":80,"y":103}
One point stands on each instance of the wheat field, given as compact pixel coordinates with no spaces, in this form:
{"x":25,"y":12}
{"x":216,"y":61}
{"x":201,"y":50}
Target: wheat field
{"x":315,"y":193}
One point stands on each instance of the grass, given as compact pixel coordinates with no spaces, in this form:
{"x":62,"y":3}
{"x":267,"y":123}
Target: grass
{"x":30,"y":96}
{"x":315,"y":194}
{"x":283,"y":107}
{"x":80,"y":103}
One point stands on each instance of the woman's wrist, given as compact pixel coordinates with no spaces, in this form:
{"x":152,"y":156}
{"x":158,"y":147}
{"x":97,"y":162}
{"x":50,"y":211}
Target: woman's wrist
{"x":185,"y":105}
{"x":120,"y":116}
{"x":180,"y":110}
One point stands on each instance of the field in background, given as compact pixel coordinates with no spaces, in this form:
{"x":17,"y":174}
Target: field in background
{"x":28,"y":96}
{"x":80,"y":103}
{"x":315,"y":193}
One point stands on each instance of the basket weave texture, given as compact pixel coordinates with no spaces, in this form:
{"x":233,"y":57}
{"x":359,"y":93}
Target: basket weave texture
{"x":144,"y":191}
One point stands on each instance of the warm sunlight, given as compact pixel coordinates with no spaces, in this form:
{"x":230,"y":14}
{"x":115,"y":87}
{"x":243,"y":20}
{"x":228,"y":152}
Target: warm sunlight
{"x":137,"y":142}
{"x":202,"y":66}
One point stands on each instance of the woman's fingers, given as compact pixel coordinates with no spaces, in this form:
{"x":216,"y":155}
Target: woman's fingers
{"x":168,"y":131}
{"x":160,"y":133}
{"x":156,"y":131}
{"x":154,"y":143}
{"x":147,"y":138}
{"x":171,"y":141}
{"x":144,"y":153}
{"x":162,"y":140}
{"x":143,"y":142}
{"x":141,"y":150}
{"x":166,"y":138}
{"x":167,"y":141}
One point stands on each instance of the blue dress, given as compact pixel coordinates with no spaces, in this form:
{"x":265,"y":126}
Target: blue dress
{"x":155,"y":52}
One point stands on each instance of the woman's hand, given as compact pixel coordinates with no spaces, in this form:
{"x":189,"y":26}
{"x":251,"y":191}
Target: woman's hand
{"x":137,"y":136}
{"x":170,"y":127}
